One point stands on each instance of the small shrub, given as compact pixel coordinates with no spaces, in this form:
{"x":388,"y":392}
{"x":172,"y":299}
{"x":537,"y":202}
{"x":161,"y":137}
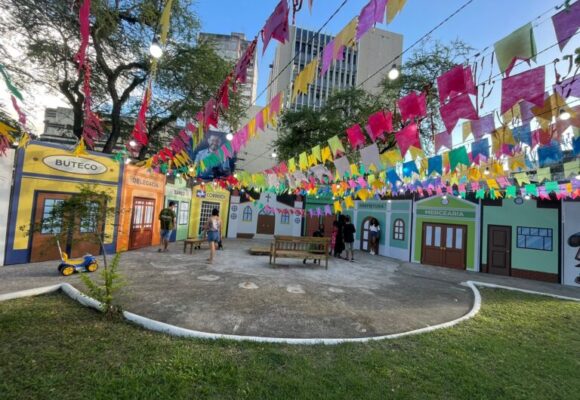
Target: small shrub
{"x":104,"y":292}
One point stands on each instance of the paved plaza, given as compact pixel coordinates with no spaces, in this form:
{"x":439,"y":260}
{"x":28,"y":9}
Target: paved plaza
{"x":242,"y":294}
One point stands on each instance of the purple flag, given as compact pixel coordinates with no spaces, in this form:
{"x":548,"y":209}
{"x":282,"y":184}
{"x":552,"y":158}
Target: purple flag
{"x":327,"y":57}
{"x":482,"y":126}
{"x":372,"y":13}
{"x":566,"y":23}
{"x":327,"y":210}
{"x":528,"y":86}
{"x":568,"y":87}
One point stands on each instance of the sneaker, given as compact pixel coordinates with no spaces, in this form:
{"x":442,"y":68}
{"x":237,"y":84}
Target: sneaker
{"x":352,"y":260}
{"x":372,"y":253}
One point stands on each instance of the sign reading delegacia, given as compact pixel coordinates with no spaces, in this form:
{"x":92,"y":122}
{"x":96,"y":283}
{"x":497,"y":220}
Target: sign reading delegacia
{"x":75,"y":165}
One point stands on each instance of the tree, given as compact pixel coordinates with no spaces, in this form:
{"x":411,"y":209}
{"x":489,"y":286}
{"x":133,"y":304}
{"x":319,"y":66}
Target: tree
{"x":46,"y":32}
{"x":303,"y":129}
{"x":88,"y":211}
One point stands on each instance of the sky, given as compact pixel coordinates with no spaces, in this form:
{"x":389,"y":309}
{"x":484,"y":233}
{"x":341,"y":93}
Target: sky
{"x":480,"y":24}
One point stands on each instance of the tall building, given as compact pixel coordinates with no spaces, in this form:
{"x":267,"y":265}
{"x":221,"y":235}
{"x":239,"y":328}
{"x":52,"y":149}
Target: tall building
{"x":231,"y":48}
{"x":375,"y":49}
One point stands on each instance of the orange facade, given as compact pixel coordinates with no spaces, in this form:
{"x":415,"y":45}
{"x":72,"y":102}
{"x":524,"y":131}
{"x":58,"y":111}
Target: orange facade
{"x":141,"y":203}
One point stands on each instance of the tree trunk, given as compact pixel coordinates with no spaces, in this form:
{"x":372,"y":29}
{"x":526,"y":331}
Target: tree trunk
{"x":115,"y":128}
{"x":78,"y":119}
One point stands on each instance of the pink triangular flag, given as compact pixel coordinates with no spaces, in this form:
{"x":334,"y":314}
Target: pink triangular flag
{"x":355,"y":136}
{"x":566,"y":23}
{"x":407,"y":137}
{"x":459,"y":107}
{"x":412,"y":106}
{"x":458,"y":80}
{"x":442,"y":139}
{"x":527,"y":86}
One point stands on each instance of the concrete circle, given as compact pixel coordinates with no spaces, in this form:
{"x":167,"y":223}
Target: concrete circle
{"x":296,"y":289}
{"x":209,"y":278}
{"x":248,"y":285}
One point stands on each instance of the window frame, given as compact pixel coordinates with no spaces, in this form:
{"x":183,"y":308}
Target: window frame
{"x":247,"y":214}
{"x":285,"y":218}
{"x":398,"y":230}
{"x":526,"y":233}
{"x":183,"y":211}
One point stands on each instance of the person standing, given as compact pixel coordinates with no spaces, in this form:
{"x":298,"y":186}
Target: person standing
{"x":348,"y":232}
{"x":167,"y":219}
{"x":213,"y":229}
{"x":375,"y":231}
{"x":339,"y":242}
{"x":333,"y":235}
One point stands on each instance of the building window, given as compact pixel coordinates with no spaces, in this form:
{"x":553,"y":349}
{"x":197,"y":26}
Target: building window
{"x":285,"y":218}
{"x":183,"y":213}
{"x":247,"y":214}
{"x":535,"y":238}
{"x":88,"y":224}
{"x":50,"y":223}
{"x":207,"y":208}
{"x":399,"y":229}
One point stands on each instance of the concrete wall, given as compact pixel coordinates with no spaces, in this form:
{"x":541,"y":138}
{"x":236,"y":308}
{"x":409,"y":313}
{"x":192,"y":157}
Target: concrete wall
{"x":376,"y":48}
{"x":526,"y":214}
{"x":6,"y":167}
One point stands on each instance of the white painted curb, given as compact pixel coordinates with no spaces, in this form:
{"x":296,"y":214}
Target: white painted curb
{"x":173,"y":330}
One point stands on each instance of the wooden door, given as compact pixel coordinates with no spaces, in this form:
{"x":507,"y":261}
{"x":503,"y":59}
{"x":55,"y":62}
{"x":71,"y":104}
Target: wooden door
{"x":499,"y":245}
{"x":84,"y":239}
{"x":314,"y":222}
{"x":444,"y":245}
{"x":141,"y":232}
{"x":43,"y":244}
{"x":365,"y":234}
{"x":432,"y":246}
{"x":454,"y":246}
{"x":266,"y":224}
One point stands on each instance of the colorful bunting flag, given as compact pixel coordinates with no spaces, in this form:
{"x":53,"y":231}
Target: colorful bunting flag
{"x":458,"y":80}
{"x":566,"y":23}
{"x":520,"y":44}
{"x":276,"y":26}
{"x":528,"y":85}
{"x":407,"y":137}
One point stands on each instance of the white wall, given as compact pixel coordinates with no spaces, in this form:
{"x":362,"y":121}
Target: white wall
{"x":570,"y":226}
{"x":6,"y":165}
{"x":238,"y":225}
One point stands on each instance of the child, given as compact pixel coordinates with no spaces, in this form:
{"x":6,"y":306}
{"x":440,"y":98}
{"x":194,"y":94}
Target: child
{"x":318,"y":233}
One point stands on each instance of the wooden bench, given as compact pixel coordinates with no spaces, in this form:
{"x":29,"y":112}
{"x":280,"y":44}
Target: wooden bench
{"x":305,"y":248}
{"x":192,"y":243}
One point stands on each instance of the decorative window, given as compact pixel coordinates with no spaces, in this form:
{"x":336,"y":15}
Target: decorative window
{"x":207,"y":208}
{"x":50,"y":224}
{"x":399,"y":229}
{"x":535,"y":238}
{"x":183,"y":213}
{"x":247,"y":214}
{"x":89,"y":223}
{"x":285,"y":218}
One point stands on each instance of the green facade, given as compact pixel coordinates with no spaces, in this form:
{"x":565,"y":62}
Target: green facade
{"x":526,"y":215}
{"x":455,"y":212}
{"x":180,"y":193}
{"x":375,"y":209}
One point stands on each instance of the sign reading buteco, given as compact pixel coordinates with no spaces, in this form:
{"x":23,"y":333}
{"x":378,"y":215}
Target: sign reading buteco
{"x":75,"y":165}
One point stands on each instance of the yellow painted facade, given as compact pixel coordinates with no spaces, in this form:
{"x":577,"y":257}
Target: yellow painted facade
{"x":213,"y":195}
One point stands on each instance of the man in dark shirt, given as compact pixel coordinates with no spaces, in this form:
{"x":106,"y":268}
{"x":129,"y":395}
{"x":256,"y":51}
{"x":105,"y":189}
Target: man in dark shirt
{"x":167,"y":219}
{"x":348,"y":232}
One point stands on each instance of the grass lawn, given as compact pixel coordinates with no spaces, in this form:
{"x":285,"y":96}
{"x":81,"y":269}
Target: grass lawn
{"x":518,"y":347}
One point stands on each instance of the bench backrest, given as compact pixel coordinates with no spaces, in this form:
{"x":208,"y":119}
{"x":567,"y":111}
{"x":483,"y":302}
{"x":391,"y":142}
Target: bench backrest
{"x":301,"y":243}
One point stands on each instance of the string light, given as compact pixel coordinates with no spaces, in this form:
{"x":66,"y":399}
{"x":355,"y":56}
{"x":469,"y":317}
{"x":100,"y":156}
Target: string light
{"x":155,"y":49}
{"x":230,"y":137}
{"x":394,"y":73}
{"x":564,"y":115}
{"x":132,"y":143}
{"x":274,"y":155}
{"x":527,"y":197}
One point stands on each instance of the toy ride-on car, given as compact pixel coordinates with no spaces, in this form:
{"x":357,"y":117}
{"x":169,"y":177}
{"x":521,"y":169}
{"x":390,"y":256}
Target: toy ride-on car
{"x":69,"y":266}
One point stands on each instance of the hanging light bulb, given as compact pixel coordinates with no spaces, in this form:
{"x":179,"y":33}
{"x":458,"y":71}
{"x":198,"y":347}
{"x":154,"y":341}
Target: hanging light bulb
{"x":274,"y":155}
{"x":401,"y":190}
{"x":444,"y":197}
{"x":127,"y":161}
{"x":230,"y":136}
{"x":389,"y":201}
{"x":177,"y":175}
{"x":527,"y":197}
{"x":155,"y":49}
{"x":564,"y":115}
{"x":578,"y":177}
{"x":190,"y":169}
{"x":486,"y":172}
{"x":132,"y":143}
{"x":393,"y":73}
